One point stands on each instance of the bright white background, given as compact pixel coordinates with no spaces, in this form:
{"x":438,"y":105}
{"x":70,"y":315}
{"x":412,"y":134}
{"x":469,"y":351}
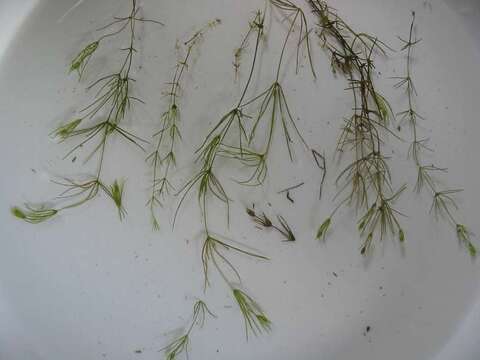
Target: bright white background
{"x":85,"y":286}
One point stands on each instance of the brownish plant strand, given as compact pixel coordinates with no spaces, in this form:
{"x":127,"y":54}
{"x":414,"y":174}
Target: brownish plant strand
{"x":163,"y":159}
{"x":443,"y":204}
{"x":288,"y":191}
{"x":111,"y":102}
{"x":366,"y":182}
{"x":262,"y":221}
{"x":321,"y":163}
{"x":239,"y":51}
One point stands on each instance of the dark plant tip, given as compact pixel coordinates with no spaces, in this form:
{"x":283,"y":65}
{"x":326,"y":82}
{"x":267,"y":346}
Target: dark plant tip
{"x":250,"y":212}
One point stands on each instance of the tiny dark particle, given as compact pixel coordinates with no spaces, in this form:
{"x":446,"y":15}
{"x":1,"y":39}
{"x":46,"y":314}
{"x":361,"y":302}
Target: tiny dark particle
{"x":368,"y":329}
{"x":334,"y":274}
{"x":290,"y":198}
{"x":138,"y":351}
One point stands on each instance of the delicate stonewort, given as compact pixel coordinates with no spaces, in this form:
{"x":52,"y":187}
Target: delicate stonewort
{"x":112,"y":100}
{"x":351,"y":54}
{"x":163,"y":159}
{"x":443,"y":203}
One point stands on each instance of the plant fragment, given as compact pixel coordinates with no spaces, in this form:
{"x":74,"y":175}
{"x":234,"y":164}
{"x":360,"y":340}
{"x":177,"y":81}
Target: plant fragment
{"x":365,"y":183}
{"x":255,"y":319}
{"x":443,"y":201}
{"x":101,"y":119}
{"x":264,"y":222}
{"x":180,"y":345}
{"x":163,"y":159}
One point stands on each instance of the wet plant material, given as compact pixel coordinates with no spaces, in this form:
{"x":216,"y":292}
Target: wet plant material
{"x":162,"y":160}
{"x":33,"y":214}
{"x":256,"y":321}
{"x":443,"y":204}
{"x":263,"y":222}
{"x":321,"y":163}
{"x":207,"y":183}
{"x":274,"y":110}
{"x":238,"y":53}
{"x":214,"y":253}
{"x":214,"y":146}
{"x":229,"y":139}
{"x":288,"y":191}
{"x":98,"y":121}
{"x":244,"y":135}
{"x":116,"y":193}
{"x":180,"y":345}
{"x":365,"y":183}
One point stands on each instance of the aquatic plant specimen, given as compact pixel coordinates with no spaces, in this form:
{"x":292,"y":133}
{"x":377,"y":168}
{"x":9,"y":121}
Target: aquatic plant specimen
{"x":229,"y":139}
{"x":443,"y":201}
{"x":206,"y":180}
{"x":180,"y":344}
{"x":239,"y":51}
{"x":273,"y":108}
{"x":255,"y":319}
{"x":321,"y":163}
{"x":97,"y":123}
{"x":264,"y":222}
{"x":365,"y":183}
{"x":163,"y":159}
{"x":207,"y":183}
{"x":232,"y":128}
